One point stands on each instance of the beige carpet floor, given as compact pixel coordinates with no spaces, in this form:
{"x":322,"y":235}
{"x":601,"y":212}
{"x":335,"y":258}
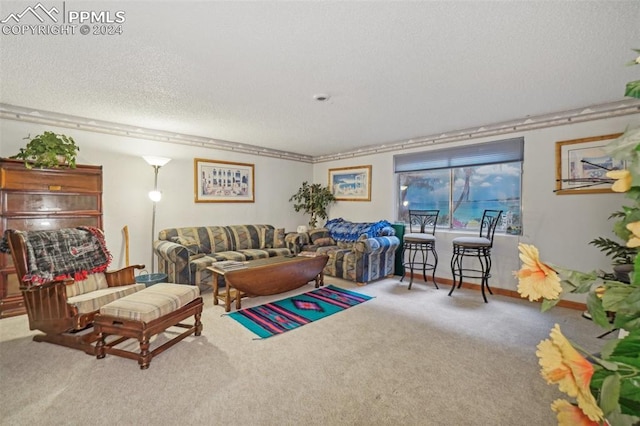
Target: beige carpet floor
{"x":413,"y":357}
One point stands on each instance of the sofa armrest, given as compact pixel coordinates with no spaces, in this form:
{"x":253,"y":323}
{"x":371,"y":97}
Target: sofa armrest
{"x":123,"y":276}
{"x":294,"y":242}
{"x":171,"y":252}
{"x":376,"y":244}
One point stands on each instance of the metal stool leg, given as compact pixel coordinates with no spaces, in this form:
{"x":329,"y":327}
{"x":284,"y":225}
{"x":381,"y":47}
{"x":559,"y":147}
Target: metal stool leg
{"x":435,"y":264}
{"x":410,"y":252}
{"x":455,"y":266}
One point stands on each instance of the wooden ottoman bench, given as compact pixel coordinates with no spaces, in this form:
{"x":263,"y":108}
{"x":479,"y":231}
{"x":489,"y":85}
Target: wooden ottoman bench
{"x":144,"y":314}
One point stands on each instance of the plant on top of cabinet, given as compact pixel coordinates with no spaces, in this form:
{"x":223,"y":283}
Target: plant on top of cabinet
{"x":49,"y":150}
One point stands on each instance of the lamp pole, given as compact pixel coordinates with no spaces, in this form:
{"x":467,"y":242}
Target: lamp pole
{"x":153,"y":215}
{"x":155,"y":196}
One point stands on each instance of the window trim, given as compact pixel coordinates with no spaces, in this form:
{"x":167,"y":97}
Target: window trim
{"x":502,"y":151}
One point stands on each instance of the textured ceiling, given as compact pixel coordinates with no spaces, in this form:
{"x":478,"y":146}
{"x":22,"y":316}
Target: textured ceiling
{"x":247,"y":72}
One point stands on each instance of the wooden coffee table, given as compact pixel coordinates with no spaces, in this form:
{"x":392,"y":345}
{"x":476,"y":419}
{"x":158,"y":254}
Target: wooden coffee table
{"x":263,"y":277}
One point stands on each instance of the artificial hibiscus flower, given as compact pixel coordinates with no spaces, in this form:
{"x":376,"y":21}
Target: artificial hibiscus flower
{"x":570,"y":415}
{"x":563,"y":365}
{"x":535,"y":278}
{"x":634,"y":241}
{"x":623,"y":180}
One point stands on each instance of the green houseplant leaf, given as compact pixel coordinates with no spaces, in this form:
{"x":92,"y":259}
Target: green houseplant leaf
{"x":313,"y":199}
{"x":49,"y":150}
{"x":633,"y":89}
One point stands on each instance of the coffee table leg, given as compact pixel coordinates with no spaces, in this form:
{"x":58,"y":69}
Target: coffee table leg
{"x":238,"y":299}
{"x":215,"y":287}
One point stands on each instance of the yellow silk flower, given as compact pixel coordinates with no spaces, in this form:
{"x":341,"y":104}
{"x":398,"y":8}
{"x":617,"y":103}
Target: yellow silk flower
{"x":536,"y":279}
{"x":563,"y":365}
{"x":623,"y":180}
{"x":634,"y":241}
{"x":570,"y":415}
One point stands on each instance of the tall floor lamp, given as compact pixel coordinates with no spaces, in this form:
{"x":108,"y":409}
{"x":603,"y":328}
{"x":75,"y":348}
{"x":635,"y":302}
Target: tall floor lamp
{"x":155,"y":196}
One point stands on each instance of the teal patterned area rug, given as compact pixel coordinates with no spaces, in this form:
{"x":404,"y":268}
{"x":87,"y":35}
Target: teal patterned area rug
{"x":275,"y":318}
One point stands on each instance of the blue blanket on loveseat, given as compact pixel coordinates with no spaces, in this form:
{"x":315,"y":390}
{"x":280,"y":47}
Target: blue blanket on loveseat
{"x":344,"y":230}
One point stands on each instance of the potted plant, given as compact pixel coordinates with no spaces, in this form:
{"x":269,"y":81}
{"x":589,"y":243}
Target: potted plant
{"x":49,"y":150}
{"x":621,"y":255}
{"x":313,"y":200}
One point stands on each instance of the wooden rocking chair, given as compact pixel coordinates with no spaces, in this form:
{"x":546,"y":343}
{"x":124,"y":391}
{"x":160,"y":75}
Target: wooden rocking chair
{"x":48,"y":306}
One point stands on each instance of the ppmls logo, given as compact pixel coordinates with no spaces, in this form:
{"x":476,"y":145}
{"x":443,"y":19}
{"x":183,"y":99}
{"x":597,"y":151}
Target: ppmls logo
{"x":39,"y":11}
{"x":58,"y":20}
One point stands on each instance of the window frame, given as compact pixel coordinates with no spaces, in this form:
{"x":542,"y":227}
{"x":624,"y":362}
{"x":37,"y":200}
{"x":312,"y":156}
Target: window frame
{"x":507,"y":151}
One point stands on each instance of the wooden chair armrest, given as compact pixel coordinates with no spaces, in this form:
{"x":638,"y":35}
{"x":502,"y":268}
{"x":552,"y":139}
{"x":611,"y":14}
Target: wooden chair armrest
{"x":124,"y":276}
{"x":47,"y":306}
{"x":28,"y":285}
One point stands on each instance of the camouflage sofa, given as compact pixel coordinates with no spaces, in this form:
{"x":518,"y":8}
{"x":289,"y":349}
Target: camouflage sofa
{"x":358,"y":251}
{"x":185,"y":253}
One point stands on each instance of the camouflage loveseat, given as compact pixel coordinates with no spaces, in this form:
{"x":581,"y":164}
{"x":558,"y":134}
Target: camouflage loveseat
{"x":185,"y":253}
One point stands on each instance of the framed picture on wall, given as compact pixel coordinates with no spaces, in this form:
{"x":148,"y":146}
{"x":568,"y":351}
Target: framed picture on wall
{"x":582,"y":165}
{"x":351,"y":183}
{"x":223,"y":182}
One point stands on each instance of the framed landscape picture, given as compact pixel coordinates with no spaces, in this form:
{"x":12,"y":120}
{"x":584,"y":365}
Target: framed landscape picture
{"x":351,"y":183}
{"x":223,"y":182}
{"x":582,"y":165}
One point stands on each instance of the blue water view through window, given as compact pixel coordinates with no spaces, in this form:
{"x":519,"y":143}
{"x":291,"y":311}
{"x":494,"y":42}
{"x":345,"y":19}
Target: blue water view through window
{"x":463,"y":193}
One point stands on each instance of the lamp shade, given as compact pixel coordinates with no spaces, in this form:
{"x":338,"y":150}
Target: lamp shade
{"x":156,"y":161}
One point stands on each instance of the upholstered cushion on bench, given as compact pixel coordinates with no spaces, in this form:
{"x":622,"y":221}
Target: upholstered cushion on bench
{"x":151,"y":303}
{"x":92,"y":301}
{"x":144,"y":314}
{"x":93,"y":282}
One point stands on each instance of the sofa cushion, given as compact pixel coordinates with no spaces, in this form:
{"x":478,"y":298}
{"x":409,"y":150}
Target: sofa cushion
{"x":94,"y":300}
{"x":202,"y":263}
{"x":252,"y":254}
{"x":318,"y":233}
{"x":278,"y":252}
{"x":272,"y":238}
{"x":326,"y":241}
{"x":246,"y":236}
{"x":230,"y":255}
{"x":93,"y":282}
{"x":192,"y":245}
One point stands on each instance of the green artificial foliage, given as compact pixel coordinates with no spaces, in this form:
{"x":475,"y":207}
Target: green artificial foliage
{"x":314,"y":200}
{"x":612,"y":396}
{"x":633,"y":87}
{"x":619,"y":253}
{"x":49,"y":150}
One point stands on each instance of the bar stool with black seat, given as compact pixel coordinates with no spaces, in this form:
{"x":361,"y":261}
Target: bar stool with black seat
{"x":478,"y":247}
{"x":421,"y":238}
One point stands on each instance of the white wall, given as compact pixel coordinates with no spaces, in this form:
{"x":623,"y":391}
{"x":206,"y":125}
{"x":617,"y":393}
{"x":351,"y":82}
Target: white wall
{"x":559,"y":225}
{"x":127,"y":179}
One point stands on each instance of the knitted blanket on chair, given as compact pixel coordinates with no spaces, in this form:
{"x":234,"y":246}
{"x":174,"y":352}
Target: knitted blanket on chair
{"x":65,"y":253}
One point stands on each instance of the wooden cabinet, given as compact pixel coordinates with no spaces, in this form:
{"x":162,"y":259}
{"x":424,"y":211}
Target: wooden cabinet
{"x":39,"y":199}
